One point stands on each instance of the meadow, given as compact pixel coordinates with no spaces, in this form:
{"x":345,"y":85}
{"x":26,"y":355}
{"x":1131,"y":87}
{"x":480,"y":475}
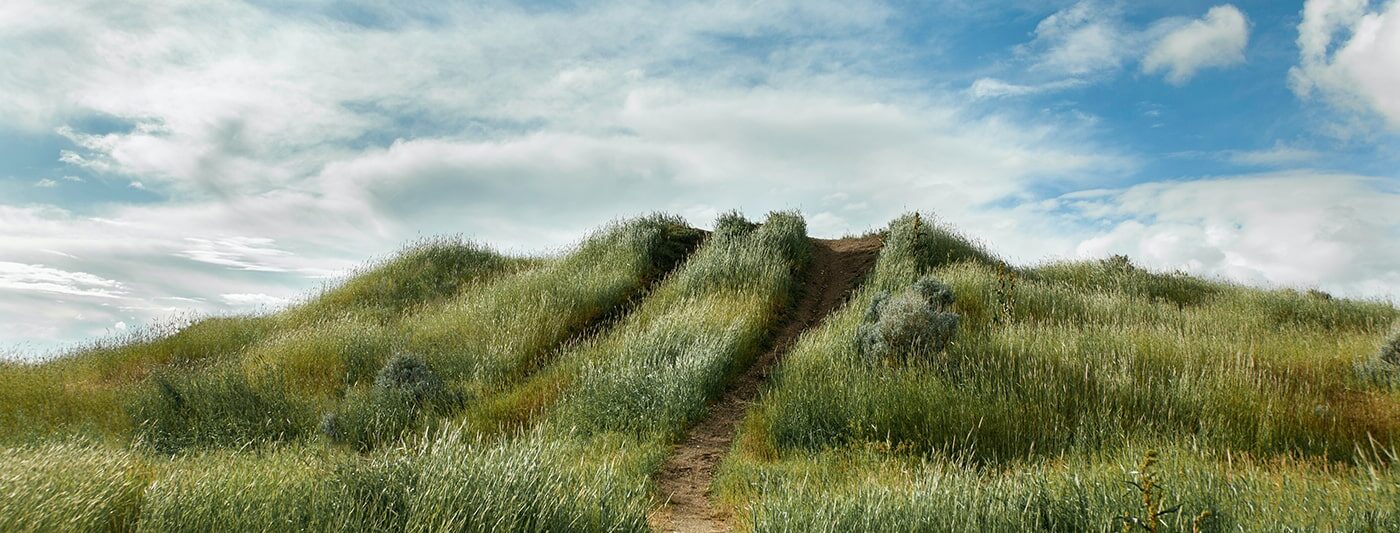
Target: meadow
{"x":1265,"y":409}
{"x":452,"y":388}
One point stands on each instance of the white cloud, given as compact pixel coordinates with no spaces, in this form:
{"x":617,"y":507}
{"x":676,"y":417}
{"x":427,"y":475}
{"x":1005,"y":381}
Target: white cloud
{"x":1085,"y":39}
{"x":40,"y":278}
{"x":1279,"y":155}
{"x":1091,"y":41}
{"x":1296,"y":229}
{"x":46,"y":183}
{"x":1349,"y":54}
{"x":995,"y":88}
{"x":289,"y":146}
{"x":242,"y":253}
{"x":254,"y":300}
{"x":1217,"y":40}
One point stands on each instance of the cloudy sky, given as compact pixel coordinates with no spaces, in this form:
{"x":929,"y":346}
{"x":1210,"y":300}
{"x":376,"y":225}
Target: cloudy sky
{"x":164,"y":158}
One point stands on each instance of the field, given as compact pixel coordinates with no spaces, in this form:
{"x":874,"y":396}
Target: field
{"x":660,"y":377}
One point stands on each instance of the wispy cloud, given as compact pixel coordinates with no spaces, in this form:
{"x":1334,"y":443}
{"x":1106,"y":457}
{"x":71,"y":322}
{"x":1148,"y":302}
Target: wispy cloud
{"x":254,"y":300}
{"x":40,"y":278}
{"x":995,"y":88}
{"x":1276,"y":157}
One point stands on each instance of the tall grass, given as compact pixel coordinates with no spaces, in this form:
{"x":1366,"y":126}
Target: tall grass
{"x":1063,"y":363}
{"x":495,"y":333}
{"x":657,"y":373}
{"x":500,"y":331}
{"x":870,"y":490}
{"x":213,"y":407}
{"x":69,"y":486}
{"x":83,"y":392}
{"x":569,"y":378}
{"x":537,"y":482}
{"x":422,"y":273}
{"x":295,"y":488}
{"x":605,"y":412}
{"x":1091,"y":361}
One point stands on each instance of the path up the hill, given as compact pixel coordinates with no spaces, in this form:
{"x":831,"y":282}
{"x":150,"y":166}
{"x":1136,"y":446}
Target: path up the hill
{"x":837,"y":266}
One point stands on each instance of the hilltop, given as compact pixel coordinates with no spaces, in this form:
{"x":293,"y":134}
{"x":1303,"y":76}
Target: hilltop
{"x":656,"y":376}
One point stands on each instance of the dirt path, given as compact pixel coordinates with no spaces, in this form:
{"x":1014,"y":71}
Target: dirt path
{"x":837,"y":265}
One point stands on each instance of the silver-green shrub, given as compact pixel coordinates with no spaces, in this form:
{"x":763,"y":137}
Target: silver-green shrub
{"x":913,"y":324}
{"x":404,"y":391}
{"x":1390,"y":349}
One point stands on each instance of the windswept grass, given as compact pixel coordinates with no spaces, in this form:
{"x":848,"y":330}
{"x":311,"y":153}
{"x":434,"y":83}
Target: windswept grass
{"x":480,"y":392}
{"x":1069,"y":360}
{"x":295,"y":488}
{"x":656,"y":373}
{"x":873,"y":490}
{"x":85,"y":391}
{"x":625,"y":395}
{"x":494,"y":334}
{"x":500,"y":331}
{"x":419,"y":275}
{"x":537,"y":482}
{"x":68,"y":486}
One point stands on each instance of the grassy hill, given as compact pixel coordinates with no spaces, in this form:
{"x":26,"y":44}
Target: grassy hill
{"x":451,"y":388}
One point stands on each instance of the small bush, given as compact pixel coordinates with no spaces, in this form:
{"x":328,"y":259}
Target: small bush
{"x":411,"y":377}
{"x":911,"y":324}
{"x":404,"y":391}
{"x":936,"y":293}
{"x":1390,"y":349}
{"x":1377,"y":373}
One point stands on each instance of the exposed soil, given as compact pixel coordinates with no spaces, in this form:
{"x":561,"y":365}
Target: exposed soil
{"x":685,"y":479}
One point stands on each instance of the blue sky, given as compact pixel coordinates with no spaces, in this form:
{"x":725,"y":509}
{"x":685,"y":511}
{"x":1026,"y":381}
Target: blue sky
{"x":172,"y":159}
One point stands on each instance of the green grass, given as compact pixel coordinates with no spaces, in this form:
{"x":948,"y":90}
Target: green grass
{"x":1065,"y":362}
{"x":537,"y":482}
{"x":656,"y":373}
{"x":494,"y":334}
{"x":69,"y":486}
{"x":873,"y":489}
{"x":541,"y":394}
{"x":603,"y":416}
{"x":86,"y":392}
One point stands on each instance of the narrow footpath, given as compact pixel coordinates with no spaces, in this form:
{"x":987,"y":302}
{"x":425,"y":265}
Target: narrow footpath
{"x":685,"y":479}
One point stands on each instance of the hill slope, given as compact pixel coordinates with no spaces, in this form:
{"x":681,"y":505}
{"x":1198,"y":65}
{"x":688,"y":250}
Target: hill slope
{"x":451,"y":388}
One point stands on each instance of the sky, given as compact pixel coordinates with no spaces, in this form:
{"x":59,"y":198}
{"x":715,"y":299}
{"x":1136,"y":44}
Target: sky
{"x":162,"y":160}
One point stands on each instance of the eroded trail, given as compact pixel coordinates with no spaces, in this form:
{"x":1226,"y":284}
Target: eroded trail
{"x":685,"y":478}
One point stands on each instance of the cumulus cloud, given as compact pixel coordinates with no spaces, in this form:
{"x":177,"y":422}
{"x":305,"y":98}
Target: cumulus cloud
{"x":281,"y":145}
{"x":46,"y":183}
{"x":1349,"y":54}
{"x":1298,"y":229}
{"x":1091,"y":41}
{"x":1217,"y":40}
{"x":1086,"y":38}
